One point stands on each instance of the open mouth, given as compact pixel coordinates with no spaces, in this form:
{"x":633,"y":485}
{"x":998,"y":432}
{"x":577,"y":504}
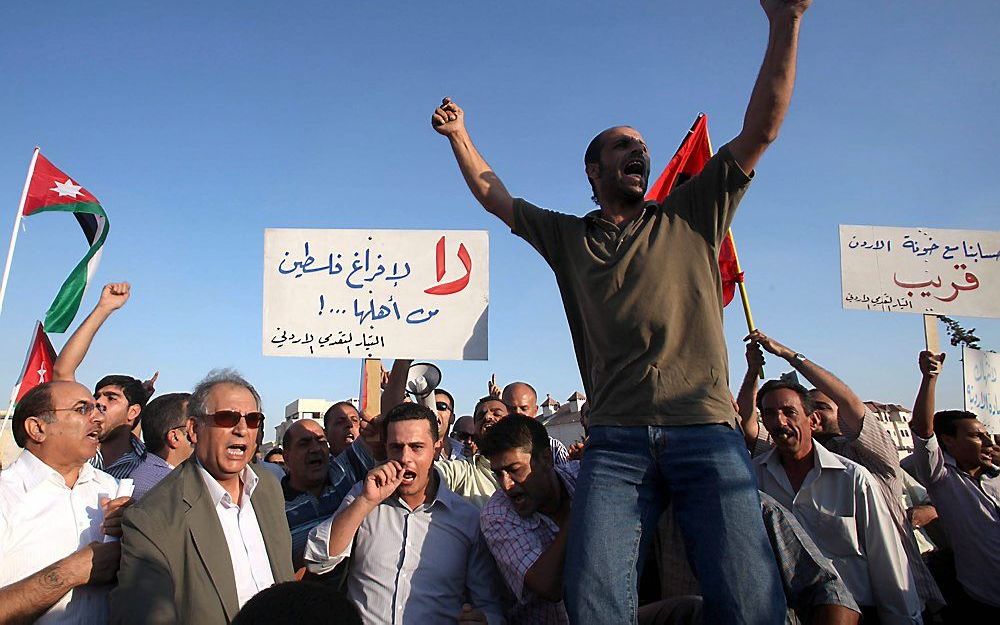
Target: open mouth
{"x":236,"y":452}
{"x":315,"y":461}
{"x":518,"y":499}
{"x":635,"y":168}
{"x":784,"y":433}
{"x":95,"y":435}
{"x":408,"y":477}
{"x":349,"y":438}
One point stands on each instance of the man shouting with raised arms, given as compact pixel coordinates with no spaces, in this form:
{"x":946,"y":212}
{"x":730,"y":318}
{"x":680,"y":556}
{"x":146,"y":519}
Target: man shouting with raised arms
{"x":643,"y":297}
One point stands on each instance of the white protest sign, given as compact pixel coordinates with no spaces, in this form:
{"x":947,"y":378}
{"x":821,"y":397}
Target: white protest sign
{"x":982,"y":392}
{"x":376,"y":294}
{"x":920,"y":270}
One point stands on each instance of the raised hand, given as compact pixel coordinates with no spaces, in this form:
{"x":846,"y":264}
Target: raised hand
{"x":930,"y":363}
{"x":448,"y":119}
{"x":770,"y":345}
{"x":114,"y":295}
{"x":791,"y":8}
{"x":755,"y":357}
{"x":382,"y":481}
{"x":492,"y":388}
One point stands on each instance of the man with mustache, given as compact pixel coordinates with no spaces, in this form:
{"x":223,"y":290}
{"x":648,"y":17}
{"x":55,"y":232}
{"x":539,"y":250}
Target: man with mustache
{"x":417,"y":555}
{"x":213,"y":533}
{"x":642,"y":291}
{"x":342,"y":423}
{"x":838,"y":503}
{"x":55,"y":510}
{"x":316,"y":482}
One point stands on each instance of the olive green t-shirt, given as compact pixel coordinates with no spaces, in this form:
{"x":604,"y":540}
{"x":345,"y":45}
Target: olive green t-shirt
{"x":644,"y":300}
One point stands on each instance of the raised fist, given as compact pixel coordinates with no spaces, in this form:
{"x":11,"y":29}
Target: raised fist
{"x":448,"y":118}
{"x":930,"y":363}
{"x":114,"y":295}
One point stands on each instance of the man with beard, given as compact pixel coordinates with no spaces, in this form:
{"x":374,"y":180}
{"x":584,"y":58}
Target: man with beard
{"x":838,"y":503}
{"x":953,"y":459}
{"x":417,"y":555}
{"x":316,"y":482}
{"x":122,"y":397}
{"x":844,"y":425}
{"x":641,"y":286}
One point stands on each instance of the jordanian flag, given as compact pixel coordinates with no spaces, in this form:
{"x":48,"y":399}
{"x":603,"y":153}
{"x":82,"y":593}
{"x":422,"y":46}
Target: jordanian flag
{"x":51,"y":190}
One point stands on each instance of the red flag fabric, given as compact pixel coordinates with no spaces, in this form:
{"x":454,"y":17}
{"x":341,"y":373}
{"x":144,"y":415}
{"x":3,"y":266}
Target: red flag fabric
{"x":690,"y":158}
{"x":51,"y":187}
{"x":38,"y":363}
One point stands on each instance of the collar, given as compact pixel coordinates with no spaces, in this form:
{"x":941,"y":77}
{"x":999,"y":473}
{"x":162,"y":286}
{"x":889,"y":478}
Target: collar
{"x":443,"y":497}
{"x":218,"y":494}
{"x":595,"y":217}
{"x":32,"y":471}
{"x":823,"y":458}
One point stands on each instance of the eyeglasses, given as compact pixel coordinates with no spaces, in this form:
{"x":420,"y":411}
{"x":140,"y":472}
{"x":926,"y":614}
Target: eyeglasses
{"x":443,"y":405}
{"x":465,"y":437}
{"x":84,"y":410}
{"x":229,"y":419}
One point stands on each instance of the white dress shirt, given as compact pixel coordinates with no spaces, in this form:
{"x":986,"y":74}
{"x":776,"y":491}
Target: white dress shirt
{"x":251,"y":566}
{"x":841,"y":509}
{"x":42,"y":520}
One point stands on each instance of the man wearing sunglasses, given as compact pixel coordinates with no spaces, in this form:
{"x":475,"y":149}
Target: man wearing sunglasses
{"x":213,"y":533}
{"x":55,"y":512}
{"x":444,"y":404}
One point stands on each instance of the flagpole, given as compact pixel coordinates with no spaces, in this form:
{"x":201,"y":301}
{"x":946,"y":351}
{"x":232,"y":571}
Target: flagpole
{"x":17,"y":222}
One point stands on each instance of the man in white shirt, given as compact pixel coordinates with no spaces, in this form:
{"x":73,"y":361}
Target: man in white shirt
{"x":55,"y":510}
{"x":417,"y":555}
{"x":213,"y":533}
{"x":838,"y":503}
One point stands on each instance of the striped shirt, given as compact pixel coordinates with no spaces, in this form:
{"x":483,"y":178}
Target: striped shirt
{"x":125,"y":464}
{"x":517,"y":542}
{"x":305,"y":511}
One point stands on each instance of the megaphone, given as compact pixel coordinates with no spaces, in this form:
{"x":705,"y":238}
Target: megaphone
{"x":421,"y":380}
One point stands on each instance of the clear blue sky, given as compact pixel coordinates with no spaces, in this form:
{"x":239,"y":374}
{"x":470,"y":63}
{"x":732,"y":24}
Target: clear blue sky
{"x":198,"y":125}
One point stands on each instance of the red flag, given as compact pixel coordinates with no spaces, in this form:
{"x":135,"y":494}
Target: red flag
{"x":37,"y":365}
{"x":691,"y":156}
{"x":50,"y":187}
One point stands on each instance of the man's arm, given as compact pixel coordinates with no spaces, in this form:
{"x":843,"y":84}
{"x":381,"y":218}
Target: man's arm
{"x":922,"y":419}
{"x":483,"y":583}
{"x":145,"y":590}
{"x":380,"y":482}
{"x":25,"y":601}
{"x":747,"y":396}
{"x":545,"y":576}
{"x":113,"y":297}
{"x":773,"y":90}
{"x":449,"y":120}
{"x":850,"y":408}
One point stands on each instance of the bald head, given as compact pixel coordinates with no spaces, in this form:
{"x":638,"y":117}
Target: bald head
{"x":522,"y":398}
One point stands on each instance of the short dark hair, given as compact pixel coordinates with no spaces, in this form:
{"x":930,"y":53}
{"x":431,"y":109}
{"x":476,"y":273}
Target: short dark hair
{"x":36,"y":403}
{"x":593,"y":155}
{"x":408,"y":411}
{"x":451,"y":400}
{"x":517,"y":432}
{"x":274,"y":451}
{"x":298,"y":603}
{"x":134,"y":391}
{"x":329,"y":411}
{"x":946,"y":421}
{"x":161,"y":415}
{"x":483,"y":400}
{"x":808,"y":404}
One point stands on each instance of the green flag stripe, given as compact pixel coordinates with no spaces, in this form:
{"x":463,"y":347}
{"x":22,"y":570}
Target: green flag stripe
{"x":67,"y":301}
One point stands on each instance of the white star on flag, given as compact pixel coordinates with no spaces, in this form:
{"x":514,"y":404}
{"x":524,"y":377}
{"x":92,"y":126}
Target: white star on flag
{"x":41,"y":374}
{"x":67,"y":188}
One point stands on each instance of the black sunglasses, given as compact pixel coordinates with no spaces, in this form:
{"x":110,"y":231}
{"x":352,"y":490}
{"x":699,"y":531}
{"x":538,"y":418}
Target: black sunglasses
{"x":229,"y":419}
{"x":464,"y":436}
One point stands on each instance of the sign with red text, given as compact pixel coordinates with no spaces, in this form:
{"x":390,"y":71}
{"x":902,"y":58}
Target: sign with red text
{"x":982,"y":390}
{"x":920,"y":270}
{"x":376,"y":293}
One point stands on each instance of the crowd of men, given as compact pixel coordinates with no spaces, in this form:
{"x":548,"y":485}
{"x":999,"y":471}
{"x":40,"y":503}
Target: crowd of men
{"x":683,"y":503}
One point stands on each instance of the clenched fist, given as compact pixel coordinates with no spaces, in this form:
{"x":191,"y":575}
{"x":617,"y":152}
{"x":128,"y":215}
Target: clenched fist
{"x":448,"y":119}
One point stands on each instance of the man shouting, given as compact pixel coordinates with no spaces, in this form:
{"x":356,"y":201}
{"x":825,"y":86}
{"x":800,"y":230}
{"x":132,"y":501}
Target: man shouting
{"x":643,"y":297}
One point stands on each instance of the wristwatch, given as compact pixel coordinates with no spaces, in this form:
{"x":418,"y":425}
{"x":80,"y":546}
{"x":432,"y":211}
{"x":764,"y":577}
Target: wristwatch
{"x":797,"y":359}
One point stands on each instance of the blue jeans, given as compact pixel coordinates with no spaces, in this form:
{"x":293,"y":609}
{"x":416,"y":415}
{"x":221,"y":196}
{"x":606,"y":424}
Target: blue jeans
{"x":627,"y":476}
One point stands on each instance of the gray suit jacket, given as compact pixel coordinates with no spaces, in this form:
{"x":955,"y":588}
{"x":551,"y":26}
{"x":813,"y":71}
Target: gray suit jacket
{"x":175,"y":565}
